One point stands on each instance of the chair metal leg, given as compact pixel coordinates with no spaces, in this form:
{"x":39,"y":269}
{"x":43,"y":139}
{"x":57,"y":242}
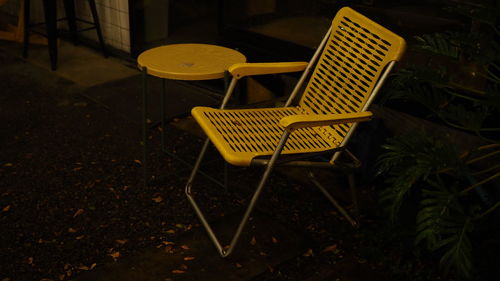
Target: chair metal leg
{"x":327,"y":194}
{"x":226,"y":251}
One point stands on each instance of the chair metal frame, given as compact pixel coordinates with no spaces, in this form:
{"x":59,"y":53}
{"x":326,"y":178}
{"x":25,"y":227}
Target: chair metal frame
{"x":270,"y":163}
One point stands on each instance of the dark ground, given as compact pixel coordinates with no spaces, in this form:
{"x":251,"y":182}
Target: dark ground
{"x":72,"y":200}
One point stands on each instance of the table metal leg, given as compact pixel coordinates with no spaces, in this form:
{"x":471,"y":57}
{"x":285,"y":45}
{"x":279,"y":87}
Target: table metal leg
{"x":163,"y":93}
{"x":145,"y":125}
{"x":27,"y":12}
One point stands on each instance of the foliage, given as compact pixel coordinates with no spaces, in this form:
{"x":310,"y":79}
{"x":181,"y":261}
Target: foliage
{"x":457,"y":87}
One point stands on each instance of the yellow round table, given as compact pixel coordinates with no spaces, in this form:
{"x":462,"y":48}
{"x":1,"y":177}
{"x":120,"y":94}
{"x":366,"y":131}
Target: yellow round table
{"x":189,"y":61}
{"x":181,"y":62}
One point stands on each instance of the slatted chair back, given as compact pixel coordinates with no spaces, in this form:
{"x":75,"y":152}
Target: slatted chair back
{"x":354,"y":57}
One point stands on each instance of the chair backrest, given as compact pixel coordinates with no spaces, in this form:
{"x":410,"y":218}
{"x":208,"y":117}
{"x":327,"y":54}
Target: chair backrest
{"x":349,"y":68}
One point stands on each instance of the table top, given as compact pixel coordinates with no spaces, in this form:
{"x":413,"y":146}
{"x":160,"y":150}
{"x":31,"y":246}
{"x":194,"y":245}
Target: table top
{"x":189,"y":61}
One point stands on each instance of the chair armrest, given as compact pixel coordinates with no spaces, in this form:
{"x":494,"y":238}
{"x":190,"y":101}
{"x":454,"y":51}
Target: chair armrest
{"x":240,"y":70}
{"x":314,"y":120}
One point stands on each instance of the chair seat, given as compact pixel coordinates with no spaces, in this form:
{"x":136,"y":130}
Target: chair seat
{"x":240,"y":135}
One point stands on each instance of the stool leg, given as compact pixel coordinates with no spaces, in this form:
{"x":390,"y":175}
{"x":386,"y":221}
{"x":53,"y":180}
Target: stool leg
{"x":49,"y":7}
{"x":95,"y":16}
{"x":26,"y":27}
{"x":69,"y":7}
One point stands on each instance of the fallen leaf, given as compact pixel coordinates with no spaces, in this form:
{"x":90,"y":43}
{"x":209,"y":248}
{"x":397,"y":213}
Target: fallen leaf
{"x":79,"y":237}
{"x":138,"y":161}
{"x":178,"y":271}
{"x":253,"y":241}
{"x":262,"y":254}
{"x":271,"y":269}
{"x":6,"y":208}
{"x":238,"y":265}
{"x":170,"y":231}
{"x":189,"y":226}
{"x":114,"y":255}
{"x":121,"y":242}
{"x":168,"y":243}
{"x":77,"y":169}
{"x":78,"y":212}
{"x":157,"y":199}
{"x":93,"y":266}
{"x":8,"y":165}
{"x":71,"y":230}
{"x":274,"y":240}
{"x":308,"y":253}
{"x":183,"y":267}
{"x":185,"y":247}
{"x":169,"y":250}
{"x":330,"y":248}
{"x":83,"y":267}
{"x":30,"y":260}
{"x":179,"y":225}
{"x":189,"y":258}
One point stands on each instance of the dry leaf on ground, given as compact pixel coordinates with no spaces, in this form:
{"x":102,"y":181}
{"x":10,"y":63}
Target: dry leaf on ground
{"x":308,"y":253}
{"x":253,"y":241}
{"x":121,"y":242}
{"x":178,"y":271}
{"x":157,"y":199}
{"x":185,"y":247}
{"x":189,"y":258}
{"x":78,"y":212}
{"x":6,"y":208}
{"x":84,"y":267}
{"x":331,"y":248}
{"x":114,"y":255}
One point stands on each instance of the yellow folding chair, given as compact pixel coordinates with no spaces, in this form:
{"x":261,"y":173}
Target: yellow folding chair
{"x":348,"y":69}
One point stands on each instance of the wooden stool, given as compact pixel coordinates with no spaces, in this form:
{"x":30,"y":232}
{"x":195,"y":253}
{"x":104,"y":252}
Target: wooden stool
{"x":50,"y":11}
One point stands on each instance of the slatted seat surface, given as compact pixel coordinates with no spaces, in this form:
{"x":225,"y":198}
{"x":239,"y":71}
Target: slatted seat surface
{"x":343,"y":80}
{"x":242,"y":134}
